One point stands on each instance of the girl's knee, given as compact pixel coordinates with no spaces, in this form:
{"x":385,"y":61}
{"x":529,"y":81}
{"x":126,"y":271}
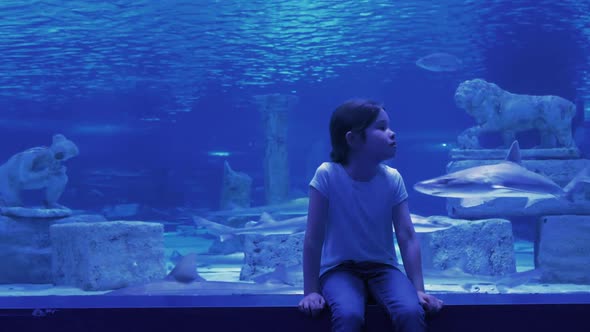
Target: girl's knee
{"x":412,"y":310}
{"x":408,"y":314}
{"x":349,"y":316}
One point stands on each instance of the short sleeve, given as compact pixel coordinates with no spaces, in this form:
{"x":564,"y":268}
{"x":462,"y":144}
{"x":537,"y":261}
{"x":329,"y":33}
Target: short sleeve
{"x":320,"y":179}
{"x":398,"y":186}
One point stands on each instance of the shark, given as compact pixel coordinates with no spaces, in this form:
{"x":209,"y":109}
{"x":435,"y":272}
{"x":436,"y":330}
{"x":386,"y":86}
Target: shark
{"x":265,"y":226}
{"x":508,"y":178}
{"x":294,"y":207}
{"x":207,"y":260}
{"x":269,"y":226}
{"x":440,"y":62}
{"x":428,"y":224}
{"x":291,"y":275}
{"x":184,"y":279}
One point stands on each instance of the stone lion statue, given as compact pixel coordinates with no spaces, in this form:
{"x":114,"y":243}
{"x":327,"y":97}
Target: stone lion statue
{"x":37,"y":168}
{"x":497,"y":110}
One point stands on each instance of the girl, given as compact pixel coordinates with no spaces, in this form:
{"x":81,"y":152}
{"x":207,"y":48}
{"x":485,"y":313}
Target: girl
{"x":348,"y":250}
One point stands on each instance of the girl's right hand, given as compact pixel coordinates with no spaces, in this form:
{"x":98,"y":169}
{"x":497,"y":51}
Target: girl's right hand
{"x":312,"y":304}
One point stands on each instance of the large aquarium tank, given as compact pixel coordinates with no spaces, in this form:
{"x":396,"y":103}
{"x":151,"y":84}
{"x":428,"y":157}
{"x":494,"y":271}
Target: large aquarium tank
{"x":166,"y":147}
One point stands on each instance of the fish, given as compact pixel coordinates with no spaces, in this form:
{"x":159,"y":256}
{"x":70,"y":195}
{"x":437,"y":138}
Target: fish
{"x":516,"y":279}
{"x":184,"y":279}
{"x":439,"y":62}
{"x":428,"y":224}
{"x":269,"y":226}
{"x":167,"y":287}
{"x":266,"y":226}
{"x":110,"y":172}
{"x":107,"y":129}
{"x":73,"y":128}
{"x":287,"y":275}
{"x":204,"y":260}
{"x":296,"y":206}
{"x":480,"y":184}
{"x":185,"y":270}
{"x":472,"y":282}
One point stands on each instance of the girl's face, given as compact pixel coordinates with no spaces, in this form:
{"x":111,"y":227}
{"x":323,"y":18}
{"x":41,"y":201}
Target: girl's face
{"x":380,"y":139}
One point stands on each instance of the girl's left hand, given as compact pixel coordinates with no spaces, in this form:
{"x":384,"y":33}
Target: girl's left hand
{"x":430,"y":303}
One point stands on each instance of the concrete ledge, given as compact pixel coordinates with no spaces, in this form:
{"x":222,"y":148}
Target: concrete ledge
{"x":268,"y":300}
{"x":463,"y":312}
{"x":262,"y":313}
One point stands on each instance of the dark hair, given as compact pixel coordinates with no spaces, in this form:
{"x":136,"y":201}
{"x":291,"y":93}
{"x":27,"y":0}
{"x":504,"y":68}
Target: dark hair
{"x":353,"y":115}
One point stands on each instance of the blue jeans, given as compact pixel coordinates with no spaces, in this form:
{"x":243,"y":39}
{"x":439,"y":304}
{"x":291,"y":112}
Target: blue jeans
{"x":347,"y":287}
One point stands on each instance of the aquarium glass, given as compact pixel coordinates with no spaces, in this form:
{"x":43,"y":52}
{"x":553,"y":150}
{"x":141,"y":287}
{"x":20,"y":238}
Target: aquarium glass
{"x":167,"y":147}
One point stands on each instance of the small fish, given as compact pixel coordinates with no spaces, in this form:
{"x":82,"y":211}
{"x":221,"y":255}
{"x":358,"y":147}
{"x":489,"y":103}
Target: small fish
{"x":439,"y":62}
{"x":266,"y":226}
{"x":477,"y":185}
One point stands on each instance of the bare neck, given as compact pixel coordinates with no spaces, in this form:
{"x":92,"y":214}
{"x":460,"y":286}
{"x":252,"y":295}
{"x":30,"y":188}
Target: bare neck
{"x":361,"y":169}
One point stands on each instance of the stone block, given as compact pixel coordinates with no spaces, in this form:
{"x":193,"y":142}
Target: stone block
{"x":262,"y":254}
{"x":25,"y":251}
{"x":107,"y":255}
{"x":483,"y":247}
{"x":25,"y":248}
{"x":562,"y":249}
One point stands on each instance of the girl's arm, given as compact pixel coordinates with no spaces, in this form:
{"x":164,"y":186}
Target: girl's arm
{"x":408,"y":244}
{"x":314,"y":240}
{"x":410,"y":250}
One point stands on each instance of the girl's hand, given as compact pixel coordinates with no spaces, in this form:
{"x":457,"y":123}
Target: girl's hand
{"x":312,"y":304}
{"x":430,"y":303}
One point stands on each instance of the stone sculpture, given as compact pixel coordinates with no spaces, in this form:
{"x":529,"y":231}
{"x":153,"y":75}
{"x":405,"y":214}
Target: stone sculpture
{"x":36,"y":168}
{"x":497,"y":110}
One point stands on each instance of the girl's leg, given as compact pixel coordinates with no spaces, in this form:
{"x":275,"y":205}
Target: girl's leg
{"x":394,"y":292}
{"x":345,"y":294}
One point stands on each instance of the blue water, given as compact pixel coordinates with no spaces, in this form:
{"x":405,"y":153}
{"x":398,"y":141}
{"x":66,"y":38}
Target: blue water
{"x":147,"y":90}
{"x":154,"y":87}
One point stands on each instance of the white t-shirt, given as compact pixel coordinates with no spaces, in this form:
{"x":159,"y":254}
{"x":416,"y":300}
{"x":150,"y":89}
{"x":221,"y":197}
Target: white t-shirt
{"x":359,"y":226}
